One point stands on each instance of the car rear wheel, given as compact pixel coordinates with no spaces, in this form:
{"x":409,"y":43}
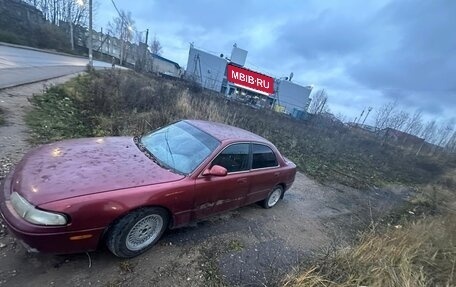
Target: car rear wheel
{"x":137,"y":231}
{"x":273,"y":197}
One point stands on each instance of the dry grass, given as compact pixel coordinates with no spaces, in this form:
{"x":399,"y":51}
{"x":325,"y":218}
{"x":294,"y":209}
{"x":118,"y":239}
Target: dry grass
{"x":2,"y":117}
{"x":422,"y":253}
{"x":117,"y":102}
{"x":419,"y":250}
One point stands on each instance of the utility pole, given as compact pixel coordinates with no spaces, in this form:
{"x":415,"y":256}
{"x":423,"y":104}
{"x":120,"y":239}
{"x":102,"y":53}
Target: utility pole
{"x":145,"y":50}
{"x":90,"y":34}
{"x":121,"y":41}
{"x":70,"y":22}
{"x":369,"y":109}
{"x":147,"y":36}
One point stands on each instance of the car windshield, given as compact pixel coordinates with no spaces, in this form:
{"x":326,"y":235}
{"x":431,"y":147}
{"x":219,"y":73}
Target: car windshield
{"x":180,"y":147}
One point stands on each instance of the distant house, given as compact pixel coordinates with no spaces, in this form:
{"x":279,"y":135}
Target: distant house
{"x":362,"y":127}
{"x":400,"y":136}
{"x":164,"y":66}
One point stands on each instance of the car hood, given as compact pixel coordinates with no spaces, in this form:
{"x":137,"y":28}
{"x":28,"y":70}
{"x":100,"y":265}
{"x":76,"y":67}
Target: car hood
{"x":79,"y":167}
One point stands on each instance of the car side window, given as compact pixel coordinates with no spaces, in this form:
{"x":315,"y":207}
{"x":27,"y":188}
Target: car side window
{"x":263,"y":156}
{"x":234,"y":158}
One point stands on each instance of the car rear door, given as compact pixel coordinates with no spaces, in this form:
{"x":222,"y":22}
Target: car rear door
{"x":264,"y":174}
{"x":215,"y":194}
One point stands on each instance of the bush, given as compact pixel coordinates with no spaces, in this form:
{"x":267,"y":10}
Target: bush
{"x":9,"y":37}
{"x":48,"y":36}
{"x":55,"y":116}
{"x":40,"y":35}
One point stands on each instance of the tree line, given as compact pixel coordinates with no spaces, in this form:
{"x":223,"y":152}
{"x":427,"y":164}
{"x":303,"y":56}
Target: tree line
{"x":438,"y":132}
{"x":441,"y":133}
{"x":74,"y":11}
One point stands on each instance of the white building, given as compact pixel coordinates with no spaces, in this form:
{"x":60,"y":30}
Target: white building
{"x":206,"y":69}
{"x":210,"y":71}
{"x":164,"y":66}
{"x":293,"y":97}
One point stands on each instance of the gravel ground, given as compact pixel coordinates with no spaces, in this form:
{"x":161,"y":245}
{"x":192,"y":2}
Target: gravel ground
{"x":250,"y":246}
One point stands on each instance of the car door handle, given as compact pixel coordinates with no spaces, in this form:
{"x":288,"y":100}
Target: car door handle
{"x":276,"y":173}
{"x":242,"y":180}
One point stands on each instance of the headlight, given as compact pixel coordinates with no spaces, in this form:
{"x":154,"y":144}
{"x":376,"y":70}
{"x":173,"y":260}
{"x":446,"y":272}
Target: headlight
{"x":33,"y":215}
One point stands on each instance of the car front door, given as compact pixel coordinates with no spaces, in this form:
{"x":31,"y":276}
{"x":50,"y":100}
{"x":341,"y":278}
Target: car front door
{"x":215,"y":194}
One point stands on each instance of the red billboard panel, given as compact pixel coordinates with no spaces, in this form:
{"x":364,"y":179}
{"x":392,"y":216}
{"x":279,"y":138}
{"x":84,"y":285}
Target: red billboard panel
{"x":250,"y":79}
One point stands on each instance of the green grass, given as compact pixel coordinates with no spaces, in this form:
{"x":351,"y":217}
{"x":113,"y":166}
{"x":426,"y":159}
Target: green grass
{"x":55,"y":116}
{"x":126,"y":103}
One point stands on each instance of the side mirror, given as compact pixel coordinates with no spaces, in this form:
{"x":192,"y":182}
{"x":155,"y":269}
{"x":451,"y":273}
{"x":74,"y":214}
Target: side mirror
{"x":216,"y":170}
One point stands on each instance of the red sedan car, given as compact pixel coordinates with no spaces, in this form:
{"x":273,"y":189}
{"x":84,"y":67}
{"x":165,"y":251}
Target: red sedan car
{"x":70,"y":196}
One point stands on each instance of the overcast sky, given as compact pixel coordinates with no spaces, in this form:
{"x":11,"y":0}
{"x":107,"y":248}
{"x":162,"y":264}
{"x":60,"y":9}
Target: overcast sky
{"x":364,"y":53}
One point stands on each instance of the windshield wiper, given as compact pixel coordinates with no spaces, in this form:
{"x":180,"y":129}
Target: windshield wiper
{"x":170,"y":152}
{"x":142,"y":147}
{"x":149,"y":154}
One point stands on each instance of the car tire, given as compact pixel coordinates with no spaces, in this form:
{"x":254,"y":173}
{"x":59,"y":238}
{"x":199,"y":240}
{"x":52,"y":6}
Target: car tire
{"x":137,"y":231}
{"x":273,"y":197}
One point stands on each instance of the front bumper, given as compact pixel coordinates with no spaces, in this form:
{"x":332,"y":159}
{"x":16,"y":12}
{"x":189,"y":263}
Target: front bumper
{"x":47,"y":239}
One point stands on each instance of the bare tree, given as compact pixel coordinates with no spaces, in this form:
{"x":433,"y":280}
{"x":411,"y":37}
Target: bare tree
{"x":414,"y":124}
{"x":319,"y":103}
{"x":72,"y":13}
{"x":384,"y":114}
{"x":397,"y":120}
{"x":341,"y":117}
{"x":155,"y":46}
{"x":122,"y":27}
{"x":54,"y":11}
{"x":429,"y":131}
{"x":451,"y":144}
{"x":444,"y":132}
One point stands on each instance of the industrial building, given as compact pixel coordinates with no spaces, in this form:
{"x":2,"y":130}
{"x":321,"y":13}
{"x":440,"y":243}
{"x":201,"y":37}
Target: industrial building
{"x":229,"y":76}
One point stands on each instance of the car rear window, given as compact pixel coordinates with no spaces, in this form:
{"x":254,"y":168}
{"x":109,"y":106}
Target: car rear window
{"x":263,"y":156}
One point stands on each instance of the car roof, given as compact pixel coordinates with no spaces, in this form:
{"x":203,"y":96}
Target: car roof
{"x":224,"y":132}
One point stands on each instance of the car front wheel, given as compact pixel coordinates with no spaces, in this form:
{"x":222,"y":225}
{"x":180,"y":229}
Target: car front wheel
{"x":137,"y":232}
{"x":273,"y":197}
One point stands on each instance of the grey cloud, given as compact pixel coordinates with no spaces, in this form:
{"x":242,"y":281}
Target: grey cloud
{"x":328,"y":35}
{"x":422,"y":66}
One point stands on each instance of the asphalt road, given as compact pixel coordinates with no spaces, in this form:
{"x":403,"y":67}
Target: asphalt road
{"x":22,"y":65}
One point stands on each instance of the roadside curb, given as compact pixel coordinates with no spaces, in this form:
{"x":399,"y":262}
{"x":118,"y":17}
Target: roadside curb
{"x":42,"y":50}
{"x":11,"y":86}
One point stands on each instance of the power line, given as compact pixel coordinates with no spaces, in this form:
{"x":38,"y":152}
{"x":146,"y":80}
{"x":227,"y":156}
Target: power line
{"x":118,"y":12}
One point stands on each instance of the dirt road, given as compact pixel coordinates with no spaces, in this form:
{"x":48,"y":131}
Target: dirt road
{"x":246,"y":247}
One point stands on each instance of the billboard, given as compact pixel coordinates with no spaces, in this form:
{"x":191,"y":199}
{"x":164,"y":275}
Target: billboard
{"x":250,"y":79}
